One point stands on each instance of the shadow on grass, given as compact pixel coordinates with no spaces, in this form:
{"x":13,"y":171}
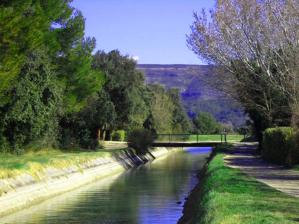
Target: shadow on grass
{"x":238,"y":195}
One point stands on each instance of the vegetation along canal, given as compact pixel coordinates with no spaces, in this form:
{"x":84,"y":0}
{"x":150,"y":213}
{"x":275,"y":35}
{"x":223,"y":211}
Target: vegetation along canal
{"x":153,"y":193}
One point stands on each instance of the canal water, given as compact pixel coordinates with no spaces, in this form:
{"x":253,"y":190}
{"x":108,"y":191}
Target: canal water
{"x":150,"y":194}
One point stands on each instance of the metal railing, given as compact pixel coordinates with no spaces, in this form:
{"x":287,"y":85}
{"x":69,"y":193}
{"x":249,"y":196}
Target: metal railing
{"x":192,"y":138}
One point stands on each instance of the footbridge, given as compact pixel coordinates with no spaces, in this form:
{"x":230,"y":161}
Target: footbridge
{"x":194,"y":140}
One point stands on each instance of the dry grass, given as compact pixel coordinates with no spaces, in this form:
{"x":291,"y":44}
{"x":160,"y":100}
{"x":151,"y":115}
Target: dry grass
{"x":34,"y":162}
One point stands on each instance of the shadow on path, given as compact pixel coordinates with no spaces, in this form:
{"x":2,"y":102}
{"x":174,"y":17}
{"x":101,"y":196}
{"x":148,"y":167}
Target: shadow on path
{"x":244,"y":157}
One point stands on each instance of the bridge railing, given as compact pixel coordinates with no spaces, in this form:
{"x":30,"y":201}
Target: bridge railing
{"x":198,"y":138}
{"x":173,"y":137}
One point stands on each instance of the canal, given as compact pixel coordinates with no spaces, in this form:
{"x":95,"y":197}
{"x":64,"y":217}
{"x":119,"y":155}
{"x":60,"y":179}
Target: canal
{"x":150,"y":194}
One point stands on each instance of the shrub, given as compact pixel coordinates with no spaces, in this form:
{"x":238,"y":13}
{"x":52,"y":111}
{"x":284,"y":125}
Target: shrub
{"x":140,"y":140}
{"x":118,"y":135}
{"x":295,"y":150}
{"x":279,"y":145}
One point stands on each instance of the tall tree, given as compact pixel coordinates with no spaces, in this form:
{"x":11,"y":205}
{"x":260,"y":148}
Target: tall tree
{"x":255,"y":43}
{"x":162,"y":109}
{"x":56,"y":27}
{"x":125,"y":87}
{"x":24,"y":27}
{"x":180,"y":120}
{"x":29,"y":30}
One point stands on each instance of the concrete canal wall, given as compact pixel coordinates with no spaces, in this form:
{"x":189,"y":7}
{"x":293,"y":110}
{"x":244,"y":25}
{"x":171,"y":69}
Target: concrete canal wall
{"x":25,"y":190}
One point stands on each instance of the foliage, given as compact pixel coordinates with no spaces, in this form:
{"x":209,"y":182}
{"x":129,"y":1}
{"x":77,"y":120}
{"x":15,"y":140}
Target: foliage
{"x":180,"y":121}
{"x":59,"y":29}
{"x":166,"y":111}
{"x":79,"y":79}
{"x":205,"y":123}
{"x":53,"y":89}
{"x":125,"y":89}
{"x":33,"y":86}
{"x":279,"y":146}
{"x":119,"y":135}
{"x":31,"y":113}
{"x":140,"y":140}
{"x":86,"y":127}
{"x":26,"y":26}
{"x":229,"y":196}
{"x":257,"y":62}
{"x":161,"y":109}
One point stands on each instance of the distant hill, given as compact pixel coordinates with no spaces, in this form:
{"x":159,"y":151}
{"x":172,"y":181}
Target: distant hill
{"x":196,"y":94}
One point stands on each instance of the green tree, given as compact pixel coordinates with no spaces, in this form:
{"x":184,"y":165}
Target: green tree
{"x":205,"y":123}
{"x":180,"y":120}
{"x":76,"y":74}
{"x":167,"y":114}
{"x":87,"y":127}
{"x":99,"y":116}
{"x":24,"y":27}
{"x":161,"y":110}
{"x":28,"y":31}
{"x":125,"y":87}
{"x":31,"y":113}
{"x":58,"y":28}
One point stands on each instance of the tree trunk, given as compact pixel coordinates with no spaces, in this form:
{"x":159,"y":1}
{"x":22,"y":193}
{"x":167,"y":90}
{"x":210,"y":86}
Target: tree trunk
{"x":108,"y":135}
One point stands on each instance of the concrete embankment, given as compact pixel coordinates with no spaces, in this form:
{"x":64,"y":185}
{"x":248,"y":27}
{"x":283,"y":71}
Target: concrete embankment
{"x":25,"y":190}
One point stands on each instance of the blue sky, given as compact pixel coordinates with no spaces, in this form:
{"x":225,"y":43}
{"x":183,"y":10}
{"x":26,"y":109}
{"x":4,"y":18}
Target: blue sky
{"x":152,"y":30}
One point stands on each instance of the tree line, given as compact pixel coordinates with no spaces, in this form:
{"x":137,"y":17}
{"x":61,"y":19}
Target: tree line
{"x":255,"y":47}
{"x":55,"y":92}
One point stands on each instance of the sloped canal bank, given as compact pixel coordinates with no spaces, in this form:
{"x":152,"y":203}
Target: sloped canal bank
{"x":153,"y":193}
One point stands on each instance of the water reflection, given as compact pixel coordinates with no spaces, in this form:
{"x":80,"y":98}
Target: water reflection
{"x":148,"y":194}
{"x":198,"y":150}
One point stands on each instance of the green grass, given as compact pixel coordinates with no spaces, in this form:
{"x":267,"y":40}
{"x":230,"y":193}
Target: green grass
{"x":231,"y":197}
{"x":34,"y":162}
{"x":206,"y":138}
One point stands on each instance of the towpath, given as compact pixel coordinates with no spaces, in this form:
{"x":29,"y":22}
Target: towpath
{"x":278,"y":177}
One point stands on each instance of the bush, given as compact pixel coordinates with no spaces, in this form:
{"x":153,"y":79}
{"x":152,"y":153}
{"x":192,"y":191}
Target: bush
{"x":140,"y":140}
{"x":118,"y":135}
{"x":279,"y":146}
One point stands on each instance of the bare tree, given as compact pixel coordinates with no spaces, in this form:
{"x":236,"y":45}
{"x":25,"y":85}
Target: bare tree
{"x":256,"y":44}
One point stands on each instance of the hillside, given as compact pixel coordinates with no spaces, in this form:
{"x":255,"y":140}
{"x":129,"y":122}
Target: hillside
{"x":196,"y":94}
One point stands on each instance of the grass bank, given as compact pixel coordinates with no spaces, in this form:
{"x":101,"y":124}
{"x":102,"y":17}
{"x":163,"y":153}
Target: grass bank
{"x":207,"y":138}
{"x":38,"y":176}
{"x":227,"y":196}
{"x":33,"y":162}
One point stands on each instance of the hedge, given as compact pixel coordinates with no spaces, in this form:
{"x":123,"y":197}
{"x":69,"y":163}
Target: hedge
{"x":279,"y":146}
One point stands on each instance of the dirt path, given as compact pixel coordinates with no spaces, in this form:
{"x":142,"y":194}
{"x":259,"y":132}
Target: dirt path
{"x":278,"y":177}
{"x":111,"y":145}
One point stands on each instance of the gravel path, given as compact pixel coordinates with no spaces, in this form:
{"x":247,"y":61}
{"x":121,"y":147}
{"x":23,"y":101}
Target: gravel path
{"x":278,"y":177}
